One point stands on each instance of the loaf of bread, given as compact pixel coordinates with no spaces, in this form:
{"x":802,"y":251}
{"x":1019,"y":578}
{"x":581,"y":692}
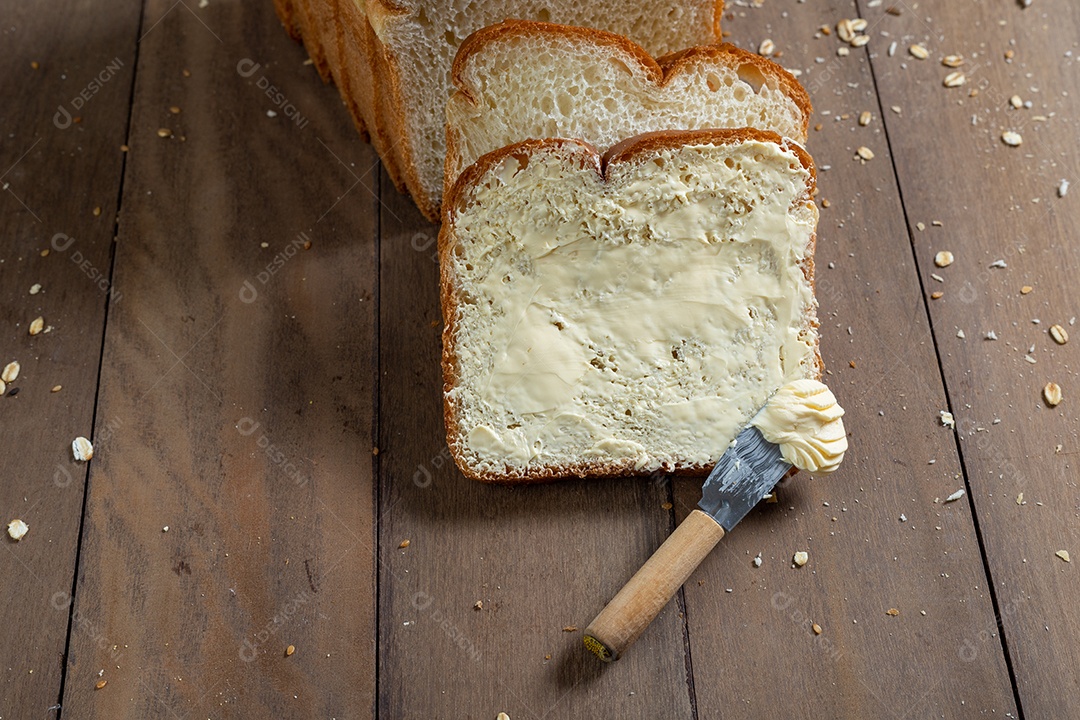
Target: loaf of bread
{"x":520,"y":80}
{"x":392,"y":61}
{"x":625,"y":314}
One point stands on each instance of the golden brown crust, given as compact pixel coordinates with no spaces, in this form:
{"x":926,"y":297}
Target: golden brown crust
{"x":342,"y":39}
{"x":625,"y":151}
{"x":678,"y":62}
{"x":659,"y":71}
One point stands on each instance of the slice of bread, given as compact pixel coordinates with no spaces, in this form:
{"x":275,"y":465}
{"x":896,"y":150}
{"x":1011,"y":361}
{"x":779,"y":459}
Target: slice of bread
{"x":520,"y":80}
{"x":396,"y":57}
{"x":628,"y":314}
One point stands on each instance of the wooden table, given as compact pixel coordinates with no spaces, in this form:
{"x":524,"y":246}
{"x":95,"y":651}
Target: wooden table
{"x":244,"y":316}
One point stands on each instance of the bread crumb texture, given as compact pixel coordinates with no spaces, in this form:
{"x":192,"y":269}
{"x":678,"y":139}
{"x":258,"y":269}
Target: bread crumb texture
{"x":628,"y":324}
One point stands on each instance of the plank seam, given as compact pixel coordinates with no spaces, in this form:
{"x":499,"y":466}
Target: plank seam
{"x":101,"y":363}
{"x":680,"y":599}
{"x":945,"y":388}
{"x":376,"y":431}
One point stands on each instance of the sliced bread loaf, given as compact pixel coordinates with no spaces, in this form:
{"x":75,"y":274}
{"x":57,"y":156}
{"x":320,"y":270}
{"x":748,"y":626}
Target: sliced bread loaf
{"x":396,"y":57}
{"x":627,"y":314}
{"x":519,"y":80}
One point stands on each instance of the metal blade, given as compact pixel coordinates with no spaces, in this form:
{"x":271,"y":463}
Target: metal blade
{"x":746,"y":473}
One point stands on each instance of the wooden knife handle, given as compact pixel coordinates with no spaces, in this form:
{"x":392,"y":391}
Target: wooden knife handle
{"x":640,"y":601}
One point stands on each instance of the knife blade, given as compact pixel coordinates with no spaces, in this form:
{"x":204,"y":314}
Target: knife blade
{"x":747,"y":471}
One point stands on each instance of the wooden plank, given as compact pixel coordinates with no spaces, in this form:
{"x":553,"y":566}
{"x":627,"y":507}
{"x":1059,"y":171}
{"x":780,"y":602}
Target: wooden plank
{"x":231,"y":514}
{"x":63,"y":123}
{"x":877,"y":533}
{"x":539,"y":559}
{"x":996,"y":202}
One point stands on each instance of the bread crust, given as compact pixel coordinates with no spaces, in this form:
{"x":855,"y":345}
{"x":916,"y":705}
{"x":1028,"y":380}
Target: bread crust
{"x":660,"y":71}
{"x":368,"y":73}
{"x":626,"y":151}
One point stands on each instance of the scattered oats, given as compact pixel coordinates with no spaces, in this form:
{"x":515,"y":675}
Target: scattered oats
{"x":570,"y":628}
{"x":943,"y":259}
{"x":165,"y":529}
{"x":403,"y":544}
{"x":955,"y":79}
{"x":953,"y":61}
{"x":82,"y":449}
{"x":757,"y":560}
{"x":1009,"y":54}
{"x":11,"y":372}
{"x":478,"y":605}
{"x":290,"y":650}
{"x":1011,"y":138}
{"x":921,"y":226}
{"x":502,"y":716}
{"x":991,"y":335}
{"x":816,"y":628}
{"x":164,"y":133}
{"x":845,"y":30}
{"x":1060,"y":335}
{"x":960,"y":334}
{"x":17,"y":528}
{"x":1063,"y":188}
{"x":1016,"y":102}
{"x":57,"y":388}
{"x":860,"y":40}
{"x":271,"y":114}
{"x":174,"y":110}
{"x":37,"y":325}
{"x":937,"y":295}
{"x":859,"y":24}
{"x":903,"y":517}
{"x":937,"y":277}
{"x":843,"y":51}
{"x":896,"y":109}
{"x":3,"y":387}
{"x":999,"y":264}
{"x":919,"y":51}
{"x":892,"y":48}
{"x":1020,"y":499}
{"x":892,"y":612}
{"x":100,"y":684}
{"x":956,"y":495}
{"x":35,"y":288}
{"x":947,"y":419}
{"x":865,"y":117}
{"x":45,"y":252}
{"x":1064,"y":555}
{"x":825,"y":203}
{"x":800,"y":558}
{"x":97,"y":212}
{"x":1052,"y":394}
{"x":1026,"y":289}
{"x":865,"y":153}
{"x":767,"y":48}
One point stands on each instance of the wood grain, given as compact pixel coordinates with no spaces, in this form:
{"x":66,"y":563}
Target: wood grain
{"x":878,"y":535}
{"x":231,"y":514}
{"x":997,"y":202}
{"x":538,"y":559}
{"x":62,"y":125}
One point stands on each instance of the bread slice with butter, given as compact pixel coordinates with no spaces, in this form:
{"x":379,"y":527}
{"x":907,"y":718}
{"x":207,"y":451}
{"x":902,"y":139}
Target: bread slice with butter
{"x":628,"y":313}
{"x":519,"y":80}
